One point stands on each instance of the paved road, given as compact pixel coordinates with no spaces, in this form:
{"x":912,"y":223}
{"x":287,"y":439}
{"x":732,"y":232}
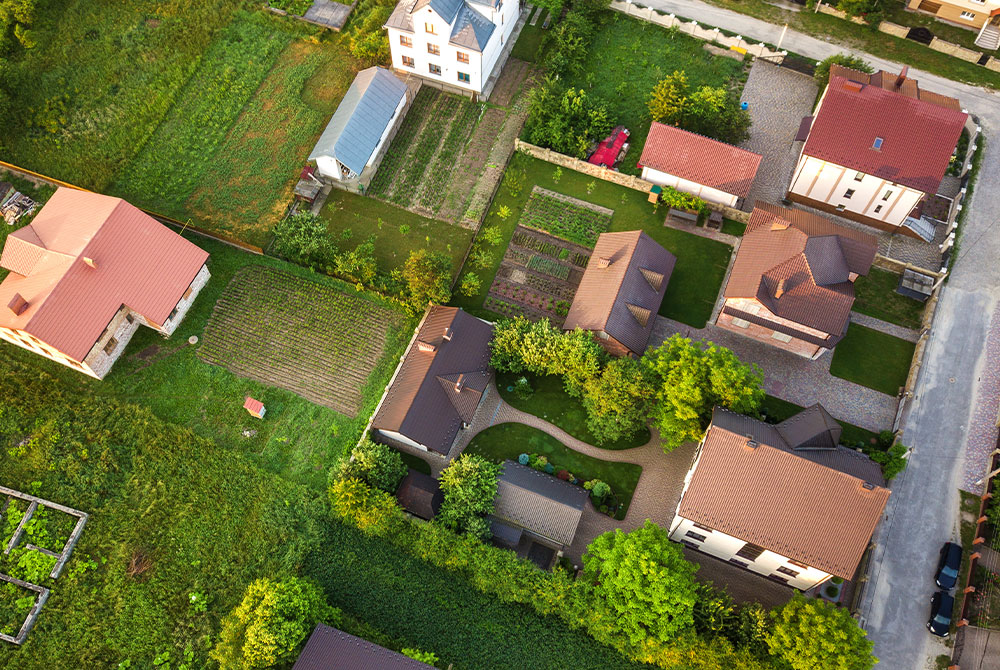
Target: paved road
{"x":957,"y":391}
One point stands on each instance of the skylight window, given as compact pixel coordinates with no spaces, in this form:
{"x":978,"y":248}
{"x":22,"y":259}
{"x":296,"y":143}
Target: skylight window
{"x":877,"y":144}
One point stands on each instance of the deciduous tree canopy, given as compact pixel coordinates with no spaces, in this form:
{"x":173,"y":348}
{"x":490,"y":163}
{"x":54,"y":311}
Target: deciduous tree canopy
{"x":469,"y":485}
{"x":809,"y":633}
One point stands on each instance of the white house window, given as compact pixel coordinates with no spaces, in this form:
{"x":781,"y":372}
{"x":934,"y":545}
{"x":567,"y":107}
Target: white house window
{"x":859,"y":176}
{"x":464,"y":78}
{"x":878,"y":208}
{"x":433,"y":49}
{"x":750,"y":551}
{"x":849,"y":193}
{"x":840,"y":208}
{"x":408,"y":62}
{"x":788,"y":571}
{"x":131,"y":319}
{"x":429,"y":27}
{"x":462,"y":57}
{"x":695,"y":536}
{"x":888,"y":194}
{"x":434,"y":69}
{"x":968,"y":16}
{"x":405,"y":41}
{"x":110,"y":346}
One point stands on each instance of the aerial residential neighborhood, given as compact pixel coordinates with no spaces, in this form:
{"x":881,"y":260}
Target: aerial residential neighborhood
{"x":499,"y":334}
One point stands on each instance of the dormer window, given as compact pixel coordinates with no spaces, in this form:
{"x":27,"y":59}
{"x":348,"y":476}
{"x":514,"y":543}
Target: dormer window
{"x":877,"y":144}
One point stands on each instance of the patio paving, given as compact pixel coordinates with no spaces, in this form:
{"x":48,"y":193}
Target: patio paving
{"x":794,"y":378}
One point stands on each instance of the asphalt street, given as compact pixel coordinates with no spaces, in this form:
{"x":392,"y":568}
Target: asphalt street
{"x":923,"y":509}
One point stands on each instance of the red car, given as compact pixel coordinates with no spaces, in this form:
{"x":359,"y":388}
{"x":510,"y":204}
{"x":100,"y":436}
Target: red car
{"x":611,"y":148}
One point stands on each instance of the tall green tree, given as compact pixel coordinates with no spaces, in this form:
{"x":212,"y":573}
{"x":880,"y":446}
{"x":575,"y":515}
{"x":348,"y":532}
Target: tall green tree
{"x":714,"y":112}
{"x":564,"y":119}
{"x":376,"y":464}
{"x":469,"y":486}
{"x":668,"y":99}
{"x":690,"y":379}
{"x":267,"y":628}
{"x":645,"y":581}
{"x":302,"y":238}
{"x":809,"y":633}
{"x":617,"y":400}
{"x":428,"y":278}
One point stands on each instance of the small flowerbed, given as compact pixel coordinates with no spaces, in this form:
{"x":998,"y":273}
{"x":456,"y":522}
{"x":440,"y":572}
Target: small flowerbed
{"x":564,"y":219}
{"x":603,"y":497}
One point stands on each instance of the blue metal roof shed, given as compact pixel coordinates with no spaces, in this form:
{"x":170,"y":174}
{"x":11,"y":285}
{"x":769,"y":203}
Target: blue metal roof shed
{"x":357,"y":126}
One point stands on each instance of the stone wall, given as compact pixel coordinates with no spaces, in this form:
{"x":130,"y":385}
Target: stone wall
{"x":735,"y":43}
{"x":833,"y":11}
{"x":993,"y":64}
{"x":894,"y":29}
{"x":955,"y":50}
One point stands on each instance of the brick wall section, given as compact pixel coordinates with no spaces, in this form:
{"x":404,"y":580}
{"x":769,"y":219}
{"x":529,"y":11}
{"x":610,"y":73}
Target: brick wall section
{"x":894,"y":29}
{"x":626,"y":180}
{"x":955,"y":50}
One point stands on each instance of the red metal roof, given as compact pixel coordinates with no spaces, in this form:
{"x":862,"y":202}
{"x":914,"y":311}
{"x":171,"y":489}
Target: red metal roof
{"x":700,"y":159}
{"x":252,"y":405}
{"x":918,"y":136}
{"x":82,"y":258}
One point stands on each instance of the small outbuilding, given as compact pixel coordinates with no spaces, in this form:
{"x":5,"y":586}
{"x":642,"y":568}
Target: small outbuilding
{"x":420,"y":495}
{"x":254,"y":407}
{"x":350,"y":149}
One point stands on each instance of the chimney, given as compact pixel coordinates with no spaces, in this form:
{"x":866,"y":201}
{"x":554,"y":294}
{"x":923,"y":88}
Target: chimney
{"x":460,"y":383}
{"x":17,"y":304}
{"x":448,"y":332}
{"x":90,"y":262}
{"x":426,"y":347}
{"x":603,"y":262}
{"x":780,"y":291}
{"x":902,"y":76}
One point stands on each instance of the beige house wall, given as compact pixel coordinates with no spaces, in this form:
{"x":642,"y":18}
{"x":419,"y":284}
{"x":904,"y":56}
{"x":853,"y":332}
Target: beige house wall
{"x":951,"y":10}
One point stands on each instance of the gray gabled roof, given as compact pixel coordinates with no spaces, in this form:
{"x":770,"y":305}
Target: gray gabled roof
{"x":471,"y":29}
{"x":361,"y":118}
{"x":541,"y":503}
{"x":332,"y":649}
{"x":446,"y":9}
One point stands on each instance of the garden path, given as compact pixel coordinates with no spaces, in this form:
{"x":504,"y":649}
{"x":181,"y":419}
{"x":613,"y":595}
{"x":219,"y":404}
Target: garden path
{"x":901,"y":332}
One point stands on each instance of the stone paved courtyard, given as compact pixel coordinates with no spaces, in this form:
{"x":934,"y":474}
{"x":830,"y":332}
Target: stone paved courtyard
{"x":794,"y":378}
{"x":778,"y":99}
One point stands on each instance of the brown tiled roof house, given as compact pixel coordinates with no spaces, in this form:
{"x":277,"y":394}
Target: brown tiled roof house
{"x":712,"y":170}
{"x":877,"y":147}
{"x":621,"y":291}
{"x":792,"y":283}
{"x":87,"y":272}
{"x":439,"y":383}
{"x":782,"y":500}
{"x":332,"y":649}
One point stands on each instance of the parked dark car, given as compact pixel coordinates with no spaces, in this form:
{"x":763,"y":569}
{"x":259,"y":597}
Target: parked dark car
{"x":948,"y":564}
{"x":941,"y":607}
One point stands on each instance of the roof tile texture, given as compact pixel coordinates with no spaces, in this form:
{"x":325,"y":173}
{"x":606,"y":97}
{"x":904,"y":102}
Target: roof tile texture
{"x":539,"y":502}
{"x":332,"y":649}
{"x":700,"y":159}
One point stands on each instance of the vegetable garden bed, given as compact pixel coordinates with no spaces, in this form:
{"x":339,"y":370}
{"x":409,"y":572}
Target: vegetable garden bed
{"x":298,"y":335}
{"x":571,"y":219}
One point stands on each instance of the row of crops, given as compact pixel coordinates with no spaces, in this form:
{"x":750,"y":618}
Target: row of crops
{"x":298,"y":335}
{"x":567,"y":220}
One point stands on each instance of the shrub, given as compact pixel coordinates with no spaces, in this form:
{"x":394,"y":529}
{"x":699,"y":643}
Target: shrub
{"x":427,"y":657}
{"x":378,"y":465}
{"x":514,"y":179}
{"x":469,"y":486}
{"x":470,"y":284}
{"x":668,"y":99}
{"x":564,"y":119}
{"x":822,"y":74}
{"x":598,"y":490}
{"x":523,"y":459}
{"x":522,"y":388}
{"x":428,"y":278}
{"x":267,"y":628}
{"x":301,"y":238}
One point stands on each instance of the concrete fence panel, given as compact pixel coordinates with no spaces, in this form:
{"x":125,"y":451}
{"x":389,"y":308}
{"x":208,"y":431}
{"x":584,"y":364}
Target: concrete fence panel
{"x":955,"y":50}
{"x":894,"y":29}
{"x":993,"y":64}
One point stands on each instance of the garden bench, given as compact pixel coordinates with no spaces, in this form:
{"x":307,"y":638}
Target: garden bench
{"x":714,"y":221}
{"x":683,"y":216}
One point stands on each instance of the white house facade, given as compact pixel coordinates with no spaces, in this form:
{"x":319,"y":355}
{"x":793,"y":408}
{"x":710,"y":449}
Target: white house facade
{"x":694,"y":188}
{"x":458,"y":45}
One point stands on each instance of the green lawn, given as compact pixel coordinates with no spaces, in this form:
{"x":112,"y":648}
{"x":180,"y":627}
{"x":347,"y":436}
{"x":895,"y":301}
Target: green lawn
{"x":873,"y":359}
{"x":551,"y":402}
{"x":701,"y":262}
{"x":352,"y":219}
{"x":627,"y":58}
{"x":731,"y":227}
{"x":297,"y":439}
{"x":510,"y":440}
{"x":875,"y":295}
{"x":867,"y":39}
{"x":528,"y":42}
{"x":778,"y":410}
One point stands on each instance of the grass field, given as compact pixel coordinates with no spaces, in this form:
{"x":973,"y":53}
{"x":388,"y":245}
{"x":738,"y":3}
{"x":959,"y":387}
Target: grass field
{"x":778,"y":410}
{"x":510,"y":440}
{"x":628,"y":57}
{"x":701,"y":262}
{"x":873,"y":359}
{"x":550,"y":401}
{"x":875,"y":295}
{"x":314,"y":340}
{"x":352,"y":219}
{"x":528,"y":42}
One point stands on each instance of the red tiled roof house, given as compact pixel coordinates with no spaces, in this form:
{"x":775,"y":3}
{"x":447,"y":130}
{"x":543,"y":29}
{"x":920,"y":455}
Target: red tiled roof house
{"x":621,"y":290}
{"x":792,"y":283}
{"x":877,"y":147}
{"x":87,"y":272}
{"x":712,"y":170}
{"x":785,"y":501}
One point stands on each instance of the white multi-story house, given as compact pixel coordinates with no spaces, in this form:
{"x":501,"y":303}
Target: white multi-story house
{"x":785,"y":501}
{"x":458,"y":45}
{"x":876,"y":148}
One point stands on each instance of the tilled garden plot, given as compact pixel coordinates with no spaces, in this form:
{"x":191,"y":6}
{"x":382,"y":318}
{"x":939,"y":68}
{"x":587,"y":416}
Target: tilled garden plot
{"x":298,"y":335}
{"x":538,"y":276}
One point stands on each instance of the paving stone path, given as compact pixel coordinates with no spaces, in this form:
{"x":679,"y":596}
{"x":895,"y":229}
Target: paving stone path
{"x":794,"y":378}
{"x":901,"y":332}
